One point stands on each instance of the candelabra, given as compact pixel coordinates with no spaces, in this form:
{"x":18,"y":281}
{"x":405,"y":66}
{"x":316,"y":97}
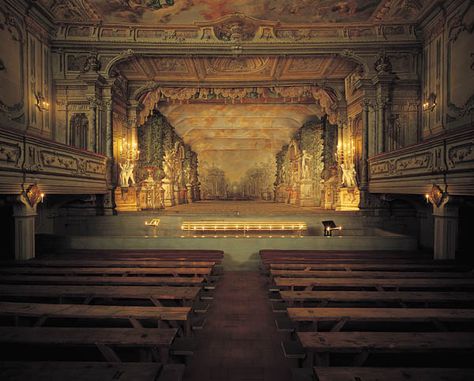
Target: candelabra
{"x":128,"y":152}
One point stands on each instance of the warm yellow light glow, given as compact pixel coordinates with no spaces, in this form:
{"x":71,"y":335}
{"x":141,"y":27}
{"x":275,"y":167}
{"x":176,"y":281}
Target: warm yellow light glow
{"x":42,"y":197}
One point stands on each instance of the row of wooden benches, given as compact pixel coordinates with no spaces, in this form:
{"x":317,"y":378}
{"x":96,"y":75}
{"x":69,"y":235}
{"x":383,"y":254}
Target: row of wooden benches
{"x":105,"y":308}
{"x":354,"y":309}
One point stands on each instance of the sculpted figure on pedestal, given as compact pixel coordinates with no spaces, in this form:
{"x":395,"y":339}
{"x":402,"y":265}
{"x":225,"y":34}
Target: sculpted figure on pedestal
{"x":305,"y":164}
{"x":348,"y":175}
{"x":126,"y":173}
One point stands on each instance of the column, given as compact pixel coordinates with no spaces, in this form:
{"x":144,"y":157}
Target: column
{"x":92,"y":145}
{"x":24,"y":214}
{"x":109,"y":143}
{"x":381,"y":125}
{"x":364,"y":178}
{"x":445,"y":230}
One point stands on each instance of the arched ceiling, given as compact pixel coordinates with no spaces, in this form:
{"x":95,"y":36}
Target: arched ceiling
{"x":238,"y":127}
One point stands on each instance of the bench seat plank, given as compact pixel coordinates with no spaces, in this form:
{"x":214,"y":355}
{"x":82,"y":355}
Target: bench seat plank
{"x":122,"y":271}
{"x":380,"y":314}
{"x":137,"y":337}
{"x":375,"y":296}
{"x":84,"y":280}
{"x":374,"y":282}
{"x":93,"y":311}
{"x":368,"y":267}
{"x":353,"y":342}
{"x":78,"y":371}
{"x":367,"y":274}
{"x":106,"y":263}
{"x":115,"y":292}
{"x":392,"y":374}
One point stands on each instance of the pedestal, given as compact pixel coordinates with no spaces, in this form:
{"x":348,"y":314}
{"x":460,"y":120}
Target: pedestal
{"x":307,"y":193}
{"x":349,"y":199}
{"x":294,"y":196}
{"x":169,"y":193}
{"x":24,"y":216}
{"x":445,"y":231}
{"x":126,"y":199}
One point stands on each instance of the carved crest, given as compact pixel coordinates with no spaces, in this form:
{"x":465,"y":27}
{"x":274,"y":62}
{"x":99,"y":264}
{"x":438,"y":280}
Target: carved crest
{"x":33,"y":194}
{"x":383,"y":64}
{"x":236,"y":28}
{"x":437,"y":196}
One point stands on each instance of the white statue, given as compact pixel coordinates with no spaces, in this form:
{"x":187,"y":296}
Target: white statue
{"x":126,"y":173}
{"x":168,"y":164}
{"x":348,"y":175}
{"x":305,"y":164}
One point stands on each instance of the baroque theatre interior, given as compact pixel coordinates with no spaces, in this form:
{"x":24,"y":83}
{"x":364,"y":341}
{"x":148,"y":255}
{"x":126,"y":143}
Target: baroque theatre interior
{"x":217,"y":190}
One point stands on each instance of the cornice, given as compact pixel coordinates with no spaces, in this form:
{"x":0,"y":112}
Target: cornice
{"x":271,"y":35}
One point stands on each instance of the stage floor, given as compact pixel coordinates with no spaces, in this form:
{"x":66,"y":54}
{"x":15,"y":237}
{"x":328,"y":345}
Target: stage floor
{"x":127,"y":230}
{"x":238,"y":208}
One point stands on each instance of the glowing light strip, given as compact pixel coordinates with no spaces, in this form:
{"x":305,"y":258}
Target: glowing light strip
{"x":243,"y":226}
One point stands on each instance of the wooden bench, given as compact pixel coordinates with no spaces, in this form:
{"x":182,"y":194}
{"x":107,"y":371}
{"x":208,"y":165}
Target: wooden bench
{"x":104,"y":339}
{"x":393,"y":315}
{"x":43,"y":311}
{"x":153,"y":293}
{"x":87,"y":371}
{"x":377,"y":283}
{"x":367,"y":274}
{"x":401,"y":297}
{"x":369,"y":267}
{"x":362,"y":344}
{"x":107,"y":263}
{"x":110,"y":271}
{"x":98,"y":280}
{"x":392,"y":374}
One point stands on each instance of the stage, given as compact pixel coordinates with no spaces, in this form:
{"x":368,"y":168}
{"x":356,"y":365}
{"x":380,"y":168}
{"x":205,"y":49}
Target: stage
{"x":360,"y":231}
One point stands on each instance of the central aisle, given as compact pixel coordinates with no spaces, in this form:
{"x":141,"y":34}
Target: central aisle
{"x":239,"y":341}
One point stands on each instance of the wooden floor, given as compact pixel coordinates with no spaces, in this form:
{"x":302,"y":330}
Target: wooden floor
{"x":239,"y":341}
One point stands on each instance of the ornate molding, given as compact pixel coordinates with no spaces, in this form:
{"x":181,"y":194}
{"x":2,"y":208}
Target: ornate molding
{"x":237,"y":29}
{"x":450,"y":156}
{"x":51,"y":164}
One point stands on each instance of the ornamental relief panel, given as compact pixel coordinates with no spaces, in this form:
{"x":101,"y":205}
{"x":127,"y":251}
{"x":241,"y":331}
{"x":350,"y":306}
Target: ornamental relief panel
{"x":11,"y":68}
{"x":461,"y":155}
{"x":415,"y":163}
{"x":54,"y":160}
{"x":10,"y":154}
{"x":460,"y":63}
{"x":239,"y":65}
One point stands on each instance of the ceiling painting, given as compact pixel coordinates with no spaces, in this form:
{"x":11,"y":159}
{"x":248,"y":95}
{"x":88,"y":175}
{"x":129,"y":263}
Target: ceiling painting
{"x":153,"y":12}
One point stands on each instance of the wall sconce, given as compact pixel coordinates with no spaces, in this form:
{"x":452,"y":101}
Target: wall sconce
{"x":430,"y":103}
{"x":41,"y":102}
{"x":437,"y":196}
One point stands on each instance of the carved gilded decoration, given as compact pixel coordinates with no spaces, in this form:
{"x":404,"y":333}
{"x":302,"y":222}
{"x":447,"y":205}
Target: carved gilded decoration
{"x":12,"y":75}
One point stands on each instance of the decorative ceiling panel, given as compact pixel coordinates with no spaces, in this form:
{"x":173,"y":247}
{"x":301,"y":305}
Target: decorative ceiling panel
{"x":235,"y":69}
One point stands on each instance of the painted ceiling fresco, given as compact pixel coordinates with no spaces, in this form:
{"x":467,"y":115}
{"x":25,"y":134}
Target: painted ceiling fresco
{"x":235,"y":137}
{"x":190,"y":11}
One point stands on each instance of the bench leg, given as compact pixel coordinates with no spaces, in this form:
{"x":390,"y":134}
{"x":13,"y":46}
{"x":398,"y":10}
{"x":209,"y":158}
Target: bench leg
{"x":108,"y":353}
{"x":321,"y":359}
{"x":360,"y":358}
